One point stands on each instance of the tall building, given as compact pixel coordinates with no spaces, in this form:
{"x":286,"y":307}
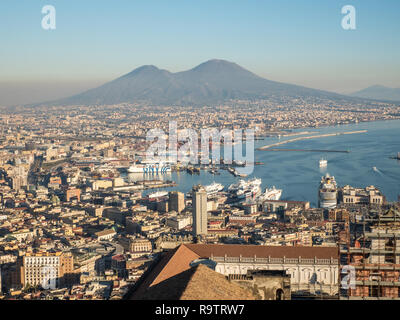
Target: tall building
{"x":199,"y":210}
{"x":19,"y":177}
{"x":176,"y":201}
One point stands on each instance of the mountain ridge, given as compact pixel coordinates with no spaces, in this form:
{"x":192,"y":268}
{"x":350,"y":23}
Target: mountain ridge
{"x":212,"y":82}
{"x":378,"y":92}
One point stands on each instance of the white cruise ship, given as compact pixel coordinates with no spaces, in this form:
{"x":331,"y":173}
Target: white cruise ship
{"x":327,"y":197}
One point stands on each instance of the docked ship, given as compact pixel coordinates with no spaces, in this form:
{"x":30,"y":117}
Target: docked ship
{"x":157,"y":194}
{"x":243,"y":190}
{"x":396,"y":157}
{"x":270,"y":194}
{"x":210,"y":189}
{"x":214,"y":188}
{"x":327,"y":197}
{"x":149,"y":168}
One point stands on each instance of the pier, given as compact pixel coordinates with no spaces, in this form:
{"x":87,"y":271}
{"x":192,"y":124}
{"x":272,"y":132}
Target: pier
{"x":310,"y":137}
{"x":307,"y":150}
{"x":146,"y":185}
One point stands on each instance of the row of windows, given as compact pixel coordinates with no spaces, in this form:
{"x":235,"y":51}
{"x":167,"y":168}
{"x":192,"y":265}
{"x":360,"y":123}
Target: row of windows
{"x":140,"y":248}
{"x":51,"y":261}
{"x":28,"y":274}
{"x":351,"y":200}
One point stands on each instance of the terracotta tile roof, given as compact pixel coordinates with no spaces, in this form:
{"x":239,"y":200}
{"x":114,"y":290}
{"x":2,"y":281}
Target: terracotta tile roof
{"x":172,"y":263}
{"x":173,"y":277}
{"x":235,"y":250}
{"x":208,"y":284}
{"x":180,"y":262}
{"x":197,"y":283}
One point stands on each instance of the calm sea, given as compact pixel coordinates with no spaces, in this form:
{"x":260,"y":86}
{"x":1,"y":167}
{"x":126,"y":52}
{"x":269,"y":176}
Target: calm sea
{"x":298,"y":174}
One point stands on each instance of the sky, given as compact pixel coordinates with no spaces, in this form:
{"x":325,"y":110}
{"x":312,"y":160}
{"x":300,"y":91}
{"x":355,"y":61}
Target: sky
{"x":294,"y":41}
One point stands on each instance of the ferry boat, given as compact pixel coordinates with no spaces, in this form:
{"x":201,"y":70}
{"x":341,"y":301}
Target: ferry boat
{"x":245,"y":189}
{"x":327,"y":197}
{"x":149,"y":168}
{"x":214,"y":188}
{"x":157,"y":194}
{"x":323,"y":163}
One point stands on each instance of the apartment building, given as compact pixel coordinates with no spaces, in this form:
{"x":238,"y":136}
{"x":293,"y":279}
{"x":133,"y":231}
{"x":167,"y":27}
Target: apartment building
{"x":47,"y":269}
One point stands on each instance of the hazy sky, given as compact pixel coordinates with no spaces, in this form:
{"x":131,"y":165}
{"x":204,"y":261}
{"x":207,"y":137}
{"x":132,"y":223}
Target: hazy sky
{"x":294,"y":41}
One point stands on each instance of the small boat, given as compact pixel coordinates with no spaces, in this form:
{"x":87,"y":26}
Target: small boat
{"x":323,"y":163}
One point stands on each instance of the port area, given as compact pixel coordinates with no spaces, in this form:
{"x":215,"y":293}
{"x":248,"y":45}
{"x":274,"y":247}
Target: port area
{"x":147,"y":184}
{"x":214,"y":167}
{"x":288,"y":134}
{"x":309,"y":137}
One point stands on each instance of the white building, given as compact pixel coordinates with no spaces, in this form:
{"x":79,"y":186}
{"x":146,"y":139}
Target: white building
{"x":105,"y":234}
{"x":43,"y":270}
{"x":179,"y":222}
{"x":312,"y":269}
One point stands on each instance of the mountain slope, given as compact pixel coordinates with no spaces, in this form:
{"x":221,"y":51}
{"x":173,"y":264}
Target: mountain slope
{"x":379,"y":93}
{"x":211,"y":82}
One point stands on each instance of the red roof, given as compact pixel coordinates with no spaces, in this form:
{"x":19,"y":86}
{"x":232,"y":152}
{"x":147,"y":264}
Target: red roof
{"x":235,"y":250}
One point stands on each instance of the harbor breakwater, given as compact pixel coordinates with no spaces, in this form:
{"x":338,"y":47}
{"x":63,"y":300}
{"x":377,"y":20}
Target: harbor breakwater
{"x":309,"y":137}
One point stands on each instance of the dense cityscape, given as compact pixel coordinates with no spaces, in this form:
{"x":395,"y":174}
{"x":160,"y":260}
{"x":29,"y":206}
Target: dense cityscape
{"x":73,"y":226}
{"x":199,"y":158}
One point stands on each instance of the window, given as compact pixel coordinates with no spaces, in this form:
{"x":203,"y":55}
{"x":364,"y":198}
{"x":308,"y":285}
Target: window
{"x":280,"y":294}
{"x":374,"y":291}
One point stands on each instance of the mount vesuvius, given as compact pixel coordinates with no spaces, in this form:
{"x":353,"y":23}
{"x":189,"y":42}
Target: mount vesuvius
{"x":211,"y":82}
